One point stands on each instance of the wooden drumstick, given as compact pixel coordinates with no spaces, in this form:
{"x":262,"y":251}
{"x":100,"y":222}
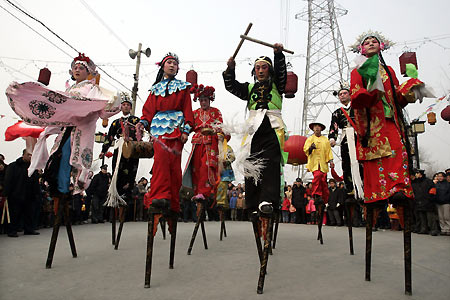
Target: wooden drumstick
{"x":245,"y":37}
{"x":242,"y":40}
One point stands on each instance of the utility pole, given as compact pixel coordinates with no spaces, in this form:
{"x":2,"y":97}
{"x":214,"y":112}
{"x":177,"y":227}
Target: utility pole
{"x":133,"y":54}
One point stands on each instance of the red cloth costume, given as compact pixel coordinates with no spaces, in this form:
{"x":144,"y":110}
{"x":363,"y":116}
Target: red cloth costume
{"x":385,"y":160}
{"x":204,"y":155}
{"x":166,"y":179}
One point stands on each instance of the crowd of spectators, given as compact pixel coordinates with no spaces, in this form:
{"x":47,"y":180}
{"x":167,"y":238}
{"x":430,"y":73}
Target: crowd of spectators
{"x":30,"y":204}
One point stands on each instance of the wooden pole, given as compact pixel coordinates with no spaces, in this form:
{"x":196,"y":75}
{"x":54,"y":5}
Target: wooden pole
{"x":173,"y":237}
{"x":243,"y":36}
{"x":277,"y":221}
{"x":113,"y":224}
{"x":263,"y":267}
{"x":136,"y":79}
{"x":162,"y":223}
{"x":407,"y":248}
{"x":199,"y":220}
{"x":369,"y":221}
{"x":242,"y":40}
{"x":149,"y":257}
{"x":54,"y":238}
{"x":69,"y":229}
{"x":349,"y":209}
{"x":122,"y":212}
{"x":319,"y":223}
{"x":255,"y":223}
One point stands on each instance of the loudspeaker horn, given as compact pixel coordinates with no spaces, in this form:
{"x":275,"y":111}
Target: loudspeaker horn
{"x":132,"y":53}
{"x":148,"y":52}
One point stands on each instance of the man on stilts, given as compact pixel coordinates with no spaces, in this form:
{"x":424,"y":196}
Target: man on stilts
{"x":202,"y":172}
{"x":318,"y":150}
{"x":126,"y":168}
{"x":344,"y":118}
{"x":263,"y":143}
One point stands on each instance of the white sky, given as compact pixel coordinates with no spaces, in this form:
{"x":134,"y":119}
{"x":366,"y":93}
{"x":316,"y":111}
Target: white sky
{"x":204,"y":33}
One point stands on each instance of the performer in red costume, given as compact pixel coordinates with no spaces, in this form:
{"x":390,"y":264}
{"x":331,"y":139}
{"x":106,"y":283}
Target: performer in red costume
{"x":167,"y":114}
{"x":382,"y":146}
{"x":203,"y":161}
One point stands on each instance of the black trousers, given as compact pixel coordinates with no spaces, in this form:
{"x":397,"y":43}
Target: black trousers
{"x":265,"y":145}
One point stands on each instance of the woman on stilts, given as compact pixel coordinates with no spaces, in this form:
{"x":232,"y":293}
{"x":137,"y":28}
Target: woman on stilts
{"x":382,"y":145}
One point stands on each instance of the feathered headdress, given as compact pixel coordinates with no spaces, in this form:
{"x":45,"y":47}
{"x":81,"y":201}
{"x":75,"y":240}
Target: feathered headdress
{"x":203,"y":91}
{"x":85,"y":61}
{"x":384,"y":42}
{"x":125,"y":97}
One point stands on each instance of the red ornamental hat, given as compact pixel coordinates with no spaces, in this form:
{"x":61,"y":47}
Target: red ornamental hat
{"x":203,"y":91}
{"x":85,"y":61}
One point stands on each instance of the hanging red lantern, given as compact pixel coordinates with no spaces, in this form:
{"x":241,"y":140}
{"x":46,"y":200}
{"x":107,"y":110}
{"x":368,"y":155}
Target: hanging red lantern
{"x":431,"y":116}
{"x":445,"y":114}
{"x":291,"y":85}
{"x":407,"y":58}
{"x":191,"y":76}
{"x":44,"y":76}
{"x":294,"y":145}
{"x":108,"y":154}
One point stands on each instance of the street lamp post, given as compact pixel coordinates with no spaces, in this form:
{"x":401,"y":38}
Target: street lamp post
{"x":133,"y":54}
{"x":417,"y":127}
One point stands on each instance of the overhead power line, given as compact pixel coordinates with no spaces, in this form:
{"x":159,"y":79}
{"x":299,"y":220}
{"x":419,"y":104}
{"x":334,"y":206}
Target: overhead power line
{"x":60,"y":38}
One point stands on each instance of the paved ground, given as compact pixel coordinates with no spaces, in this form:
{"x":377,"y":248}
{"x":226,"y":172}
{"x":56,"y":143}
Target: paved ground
{"x":300,"y":268}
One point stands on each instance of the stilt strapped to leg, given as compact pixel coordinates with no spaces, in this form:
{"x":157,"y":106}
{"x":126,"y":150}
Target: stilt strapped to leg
{"x":113,"y":212}
{"x":320,"y":210}
{"x":201,"y":214}
{"x":62,"y":213}
{"x":349,"y":209}
{"x":277,"y":221}
{"x":223,"y":230}
{"x":155,"y":215}
{"x":267,"y":231}
{"x":407,"y":247}
{"x":122,"y":213}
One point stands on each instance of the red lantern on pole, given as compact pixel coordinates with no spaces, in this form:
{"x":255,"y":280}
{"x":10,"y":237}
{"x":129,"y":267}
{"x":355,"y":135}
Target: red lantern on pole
{"x":191,"y":76}
{"x":291,"y":85}
{"x":44,"y":76}
{"x":294,"y":145}
{"x":445,"y":114}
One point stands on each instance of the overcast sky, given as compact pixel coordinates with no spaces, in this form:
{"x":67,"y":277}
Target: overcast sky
{"x":204,"y":33}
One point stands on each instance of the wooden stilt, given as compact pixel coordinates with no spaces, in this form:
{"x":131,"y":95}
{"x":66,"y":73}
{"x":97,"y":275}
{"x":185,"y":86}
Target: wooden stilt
{"x":54,"y":238}
{"x":369,"y":222}
{"x":202,"y":225}
{"x":265,"y":258}
{"x":122,"y":213}
{"x":224,"y":228}
{"x":113,"y":224}
{"x":255,"y":223}
{"x":150,"y":238}
{"x":349,"y":208}
{"x":275,"y":235}
{"x":62,"y":214}
{"x":173,"y":237}
{"x":200,"y":222}
{"x":68,"y":224}
{"x":319,"y":223}
{"x":162,"y":223}
{"x":407,"y":249}
{"x":222,"y":222}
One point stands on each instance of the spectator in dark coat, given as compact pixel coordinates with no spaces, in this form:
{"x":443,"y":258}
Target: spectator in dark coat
{"x":21,"y":191}
{"x":299,"y":201}
{"x":99,"y":189}
{"x":424,"y":195}
{"x":443,"y":202}
{"x":335,"y":200}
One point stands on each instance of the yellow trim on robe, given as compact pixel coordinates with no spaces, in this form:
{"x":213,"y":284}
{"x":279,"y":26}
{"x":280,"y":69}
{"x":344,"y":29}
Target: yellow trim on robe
{"x":319,"y":156}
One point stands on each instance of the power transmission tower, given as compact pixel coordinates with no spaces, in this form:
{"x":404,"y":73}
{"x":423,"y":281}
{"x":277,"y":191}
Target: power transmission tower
{"x":326,"y":60}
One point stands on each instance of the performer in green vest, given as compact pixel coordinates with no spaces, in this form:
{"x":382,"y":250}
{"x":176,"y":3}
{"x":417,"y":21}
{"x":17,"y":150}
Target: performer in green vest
{"x":266,"y":131}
